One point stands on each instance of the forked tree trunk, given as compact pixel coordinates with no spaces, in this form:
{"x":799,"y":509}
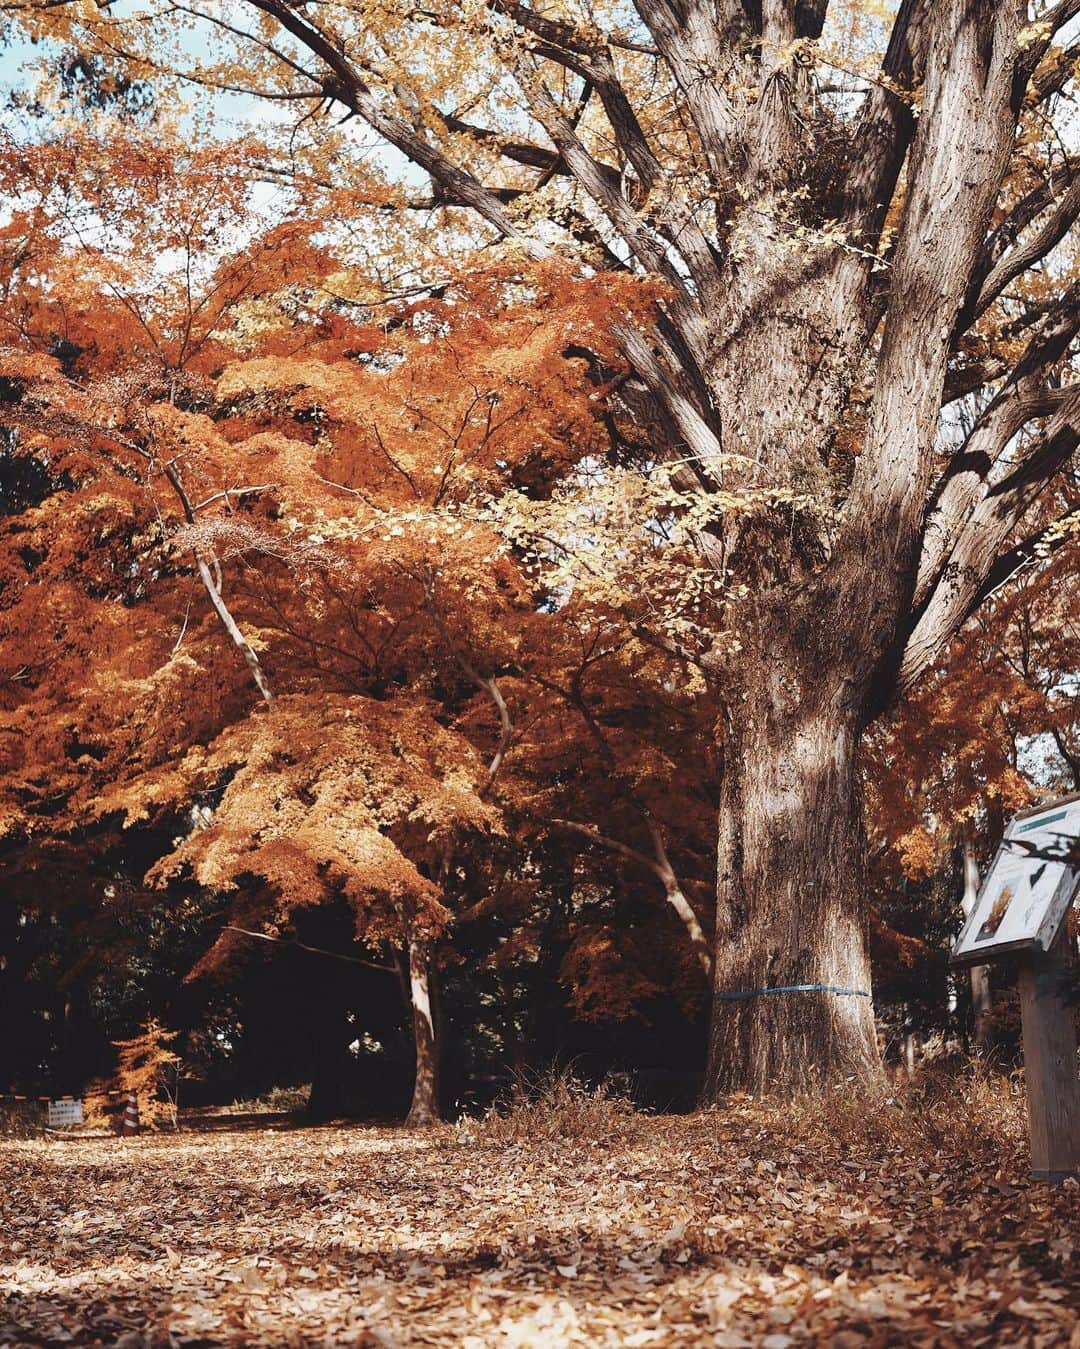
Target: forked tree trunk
{"x":425,"y":1099}
{"x":790,"y":891}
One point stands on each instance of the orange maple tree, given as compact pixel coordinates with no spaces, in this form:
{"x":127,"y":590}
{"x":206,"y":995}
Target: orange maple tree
{"x":286,"y":582}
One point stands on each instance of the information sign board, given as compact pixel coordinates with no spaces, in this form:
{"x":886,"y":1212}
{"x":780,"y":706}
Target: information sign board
{"x":1029,"y":888}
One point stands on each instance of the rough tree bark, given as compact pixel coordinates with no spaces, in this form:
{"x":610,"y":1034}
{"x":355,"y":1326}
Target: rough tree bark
{"x":821,"y":654}
{"x":784,"y":296}
{"x":790,"y":884}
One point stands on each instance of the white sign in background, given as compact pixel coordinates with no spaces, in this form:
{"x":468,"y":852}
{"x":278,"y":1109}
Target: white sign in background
{"x":64,"y":1112}
{"x":1030,"y":885}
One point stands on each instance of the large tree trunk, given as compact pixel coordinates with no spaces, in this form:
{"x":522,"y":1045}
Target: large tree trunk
{"x":425,"y":1100}
{"x":791,"y":904}
{"x":822,"y":649}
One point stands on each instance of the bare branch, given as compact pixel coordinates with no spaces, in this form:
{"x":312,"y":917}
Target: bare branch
{"x":676,"y":897}
{"x":594,"y":835}
{"x":1023,"y":397}
{"x":487,"y":684}
{"x":661,"y":867}
{"x":314,"y":950}
{"x":213,"y":590}
{"x":1029,"y":552}
{"x":1023,"y":255}
{"x":971,"y":561}
{"x":351,"y":89}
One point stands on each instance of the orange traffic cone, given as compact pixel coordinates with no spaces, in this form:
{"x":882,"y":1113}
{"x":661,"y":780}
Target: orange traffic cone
{"x":131,"y":1114}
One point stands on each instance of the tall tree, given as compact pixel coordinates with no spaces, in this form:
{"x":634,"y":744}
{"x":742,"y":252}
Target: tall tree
{"x":832,"y":255}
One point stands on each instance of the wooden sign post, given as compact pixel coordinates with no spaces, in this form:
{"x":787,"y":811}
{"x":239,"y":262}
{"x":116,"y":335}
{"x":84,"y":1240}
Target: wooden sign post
{"x":1050,"y":1073}
{"x":1021,"y":911}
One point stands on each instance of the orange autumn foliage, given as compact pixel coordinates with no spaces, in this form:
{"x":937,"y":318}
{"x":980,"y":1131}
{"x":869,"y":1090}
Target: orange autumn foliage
{"x":333,"y":468}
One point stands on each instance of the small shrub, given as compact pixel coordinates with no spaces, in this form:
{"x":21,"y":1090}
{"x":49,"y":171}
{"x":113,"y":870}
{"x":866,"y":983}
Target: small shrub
{"x":147,"y":1066}
{"x":22,"y":1119}
{"x":277,"y":1101}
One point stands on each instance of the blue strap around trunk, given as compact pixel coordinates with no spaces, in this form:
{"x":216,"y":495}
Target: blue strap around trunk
{"x":792,"y":988}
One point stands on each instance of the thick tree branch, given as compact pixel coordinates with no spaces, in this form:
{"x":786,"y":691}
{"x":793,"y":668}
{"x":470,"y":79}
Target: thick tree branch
{"x":1024,"y":396}
{"x":685,"y":233}
{"x":1026,"y":210}
{"x":1029,"y":552}
{"x":886,"y":124}
{"x":972,"y":559}
{"x":1054,"y":76}
{"x":689,"y":35}
{"x":951,"y":193}
{"x":967,"y":479}
{"x":648,"y":248}
{"x":698,"y":436}
{"x":676,"y":896}
{"x":519,"y":151}
{"x":348,"y":87}
{"x":313,"y":950}
{"x":1050,"y":23}
{"x":1025,"y":253}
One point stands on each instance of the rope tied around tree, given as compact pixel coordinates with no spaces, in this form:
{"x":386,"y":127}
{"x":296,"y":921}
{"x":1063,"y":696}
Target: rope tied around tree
{"x":791,"y":988}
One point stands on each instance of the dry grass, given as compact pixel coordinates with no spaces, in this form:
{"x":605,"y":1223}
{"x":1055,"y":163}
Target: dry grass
{"x":22,"y":1119}
{"x":277,"y":1101}
{"x":555,"y":1106}
{"x":971,"y":1113}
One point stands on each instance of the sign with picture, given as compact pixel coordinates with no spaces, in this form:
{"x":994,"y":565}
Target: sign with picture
{"x":1030,"y":886}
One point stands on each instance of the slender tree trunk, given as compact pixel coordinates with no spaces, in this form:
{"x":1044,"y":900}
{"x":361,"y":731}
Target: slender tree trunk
{"x":660,"y":865}
{"x":982,"y":1001}
{"x":425,"y":1100}
{"x":514,"y":1049}
{"x":790,"y":903}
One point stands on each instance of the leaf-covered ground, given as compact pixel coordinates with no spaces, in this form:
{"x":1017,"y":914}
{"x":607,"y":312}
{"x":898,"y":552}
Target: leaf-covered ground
{"x":753,"y":1225}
